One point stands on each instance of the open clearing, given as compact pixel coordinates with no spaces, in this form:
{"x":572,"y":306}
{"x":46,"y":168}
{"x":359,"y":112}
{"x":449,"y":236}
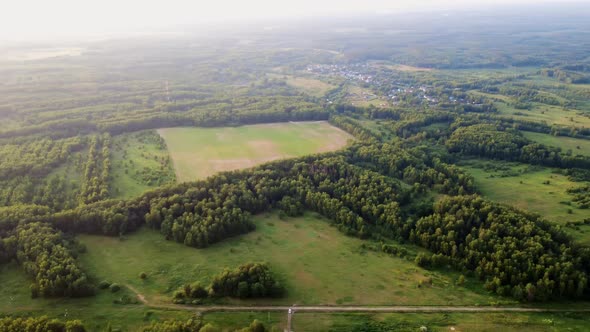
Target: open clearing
{"x":311,"y":86}
{"x":526,"y":187}
{"x":539,"y":112}
{"x":316,"y":263}
{"x":200,"y":152}
{"x":578,"y":146}
{"x":139,"y":163}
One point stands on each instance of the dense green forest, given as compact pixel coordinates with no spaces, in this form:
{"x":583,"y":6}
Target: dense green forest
{"x":78,"y":131}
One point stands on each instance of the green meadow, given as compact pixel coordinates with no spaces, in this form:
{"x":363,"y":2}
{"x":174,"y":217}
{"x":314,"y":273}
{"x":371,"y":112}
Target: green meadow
{"x":532,"y":188}
{"x":544,"y":113}
{"x":138,"y":164}
{"x":576,"y":145}
{"x":457,"y":322}
{"x":316,"y":263}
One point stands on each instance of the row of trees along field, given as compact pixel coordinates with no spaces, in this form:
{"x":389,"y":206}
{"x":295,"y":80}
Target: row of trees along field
{"x":197,"y":325}
{"x":95,"y":180}
{"x":44,"y":323}
{"x":210,"y":112}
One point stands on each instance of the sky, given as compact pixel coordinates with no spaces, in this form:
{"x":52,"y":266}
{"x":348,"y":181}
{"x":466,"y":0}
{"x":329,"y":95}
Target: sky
{"x":22,"y":20}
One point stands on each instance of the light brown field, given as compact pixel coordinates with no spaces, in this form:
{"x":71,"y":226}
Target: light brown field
{"x":200,"y":152}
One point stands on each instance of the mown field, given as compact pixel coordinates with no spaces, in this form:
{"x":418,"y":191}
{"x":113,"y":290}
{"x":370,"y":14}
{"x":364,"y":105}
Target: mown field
{"x":200,"y":152}
{"x":532,"y":188}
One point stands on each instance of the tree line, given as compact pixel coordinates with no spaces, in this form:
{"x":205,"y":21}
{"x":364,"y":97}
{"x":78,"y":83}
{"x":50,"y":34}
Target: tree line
{"x":489,"y":141}
{"x":48,"y":258}
{"x":95,"y":180}
{"x":515,"y":253}
{"x":197,"y":325}
{"x":41,"y":324}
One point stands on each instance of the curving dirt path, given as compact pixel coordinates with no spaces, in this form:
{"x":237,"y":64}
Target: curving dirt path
{"x":140,"y":296}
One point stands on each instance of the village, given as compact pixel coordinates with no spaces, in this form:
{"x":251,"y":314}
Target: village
{"x":386,"y":87}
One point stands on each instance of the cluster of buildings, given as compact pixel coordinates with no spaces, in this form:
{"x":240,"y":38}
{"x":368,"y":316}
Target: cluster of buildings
{"x":421,"y":93}
{"x":356,"y":72}
{"x":393,"y":89}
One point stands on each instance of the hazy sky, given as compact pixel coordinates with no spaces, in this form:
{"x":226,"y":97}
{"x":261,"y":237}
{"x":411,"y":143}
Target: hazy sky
{"x":46,"y":19}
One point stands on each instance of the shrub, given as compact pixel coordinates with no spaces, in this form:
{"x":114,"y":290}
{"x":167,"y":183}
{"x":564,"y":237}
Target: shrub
{"x":422,"y":260}
{"x":198,"y":291}
{"x":209,"y":328}
{"x":104,"y":284}
{"x":178,"y":295}
{"x":115,"y":288}
{"x":461,"y":280}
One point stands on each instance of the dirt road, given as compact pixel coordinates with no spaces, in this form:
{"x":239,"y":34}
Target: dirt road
{"x":378,"y":309}
{"x":291,"y":310}
{"x":329,"y":308}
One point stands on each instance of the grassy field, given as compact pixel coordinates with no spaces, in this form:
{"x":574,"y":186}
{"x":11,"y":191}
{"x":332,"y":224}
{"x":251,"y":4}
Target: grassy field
{"x":526,"y":187}
{"x":137,"y":160}
{"x":458,"y":322}
{"x":549,"y":114}
{"x":311,"y":86}
{"x":200,"y":152}
{"x":546,"y":113}
{"x":317,"y":264}
{"x":96,"y":312}
{"x":578,"y":146}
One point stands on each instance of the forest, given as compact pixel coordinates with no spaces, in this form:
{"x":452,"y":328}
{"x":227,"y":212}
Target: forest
{"x":80,"y":156}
